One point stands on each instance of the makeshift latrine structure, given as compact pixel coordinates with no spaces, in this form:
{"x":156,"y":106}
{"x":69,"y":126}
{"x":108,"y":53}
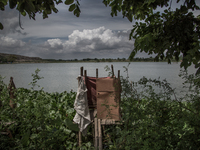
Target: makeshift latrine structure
{"x":102,"y":96}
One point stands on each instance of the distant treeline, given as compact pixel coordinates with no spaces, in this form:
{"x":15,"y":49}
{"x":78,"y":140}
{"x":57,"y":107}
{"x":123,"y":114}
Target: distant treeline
{"x":11,"y":58}
{"x":150,"y":59}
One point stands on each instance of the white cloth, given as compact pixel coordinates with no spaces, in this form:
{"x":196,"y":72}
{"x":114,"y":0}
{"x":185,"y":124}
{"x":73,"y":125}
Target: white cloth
{"x":82,"y":117}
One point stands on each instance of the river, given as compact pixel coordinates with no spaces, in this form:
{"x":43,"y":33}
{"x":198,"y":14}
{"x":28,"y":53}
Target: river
{"x":59,"y":77}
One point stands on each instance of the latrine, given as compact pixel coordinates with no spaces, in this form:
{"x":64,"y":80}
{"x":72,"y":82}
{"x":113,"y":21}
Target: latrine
{"x":103,"y":95}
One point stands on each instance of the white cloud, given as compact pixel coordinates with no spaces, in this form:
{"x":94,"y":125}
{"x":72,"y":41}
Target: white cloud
{"x":10,"y":42}
{"x":54,"y":43}
{"x":99,"y":39}
{"x":106,"y":36}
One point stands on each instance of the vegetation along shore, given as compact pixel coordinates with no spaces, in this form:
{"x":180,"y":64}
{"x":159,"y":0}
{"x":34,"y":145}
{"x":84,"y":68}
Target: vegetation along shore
{"x":13,"y":58}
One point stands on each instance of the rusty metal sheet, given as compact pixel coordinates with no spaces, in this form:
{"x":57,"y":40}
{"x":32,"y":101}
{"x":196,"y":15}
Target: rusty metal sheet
{"x":108,"y":84}
{"x":108,"y":105}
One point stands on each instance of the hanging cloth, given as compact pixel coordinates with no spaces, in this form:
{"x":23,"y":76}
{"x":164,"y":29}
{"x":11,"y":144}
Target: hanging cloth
{"x":82,"y":117}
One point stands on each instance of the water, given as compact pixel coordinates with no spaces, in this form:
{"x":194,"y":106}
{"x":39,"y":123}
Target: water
{"x":59,"y":77}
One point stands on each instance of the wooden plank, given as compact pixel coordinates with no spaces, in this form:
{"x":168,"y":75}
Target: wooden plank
{"x":119,"y":74}
{"x":110,"y":122}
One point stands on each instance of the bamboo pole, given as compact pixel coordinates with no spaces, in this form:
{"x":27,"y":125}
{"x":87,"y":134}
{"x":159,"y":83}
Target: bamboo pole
{"x":93,"y":132}
{"x":80,"y":138}
{"x":96,"y":133}
{"x":100,"y":134}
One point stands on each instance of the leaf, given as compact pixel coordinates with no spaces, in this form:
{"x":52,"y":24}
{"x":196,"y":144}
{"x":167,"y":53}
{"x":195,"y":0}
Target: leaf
{"x":130,"y":17}
{"x":23,"y":13}
{"x":132,"y":55}
{"x":30,"y":6}
{"x":12,"y":3}
{"x":198,"y":71}
{"x":68,"y":2}
{"x":25,"y":138}
{"x":169,"y":61}
{"x":70,"y":110}
{"x":166,"y":11}
{"x":71,"y":125}
{"x":184,"y":64}
{"x":72,"y":7}
{"x":184,"y":9}
{"x":105,"y":3}
{"x":76,"y":12}
{"x":1,"y":26}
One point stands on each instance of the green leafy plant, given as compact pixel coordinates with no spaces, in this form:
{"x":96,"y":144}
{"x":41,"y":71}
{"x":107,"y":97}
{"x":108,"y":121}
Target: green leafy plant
{"x":153,"y":117}
{"x":36,"y":78}
{"x":41,"y":120}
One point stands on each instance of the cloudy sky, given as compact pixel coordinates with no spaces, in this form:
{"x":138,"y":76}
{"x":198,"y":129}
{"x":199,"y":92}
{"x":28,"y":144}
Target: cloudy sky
{"x":95,"y":34}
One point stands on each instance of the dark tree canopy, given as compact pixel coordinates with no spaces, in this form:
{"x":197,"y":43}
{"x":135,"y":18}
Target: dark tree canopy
{"x":44,"y":7}
{"x":167,"y":34}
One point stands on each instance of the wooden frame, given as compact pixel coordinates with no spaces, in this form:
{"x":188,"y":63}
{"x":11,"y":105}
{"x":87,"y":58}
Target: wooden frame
{"x":97,"y":123}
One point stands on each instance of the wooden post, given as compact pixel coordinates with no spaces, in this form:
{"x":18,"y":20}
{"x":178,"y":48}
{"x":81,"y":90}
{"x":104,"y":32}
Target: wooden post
{"x":96,"y":133}
{"x":81,"y":71}
{"x":100,"y":134}
{"x":119,"y":74}
{"x":97,"y":73}
{"x":85,"y":73}
{"x":112,"y":71}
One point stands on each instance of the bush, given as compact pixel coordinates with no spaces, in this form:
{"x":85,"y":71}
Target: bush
{"x":41,"y":120}
{"x":154,"y":118}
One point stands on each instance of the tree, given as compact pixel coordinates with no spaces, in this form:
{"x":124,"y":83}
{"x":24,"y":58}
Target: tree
{"x":11,"y":58}
{"x":3,"y":59}
{"x":167,"y":34}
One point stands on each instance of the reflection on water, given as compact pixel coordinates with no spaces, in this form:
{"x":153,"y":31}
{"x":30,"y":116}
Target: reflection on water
{"x":59,"y":77}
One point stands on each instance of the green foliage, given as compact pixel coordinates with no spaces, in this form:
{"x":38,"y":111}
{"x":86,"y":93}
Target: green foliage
{"x":41,"y":120}
{"x":36,"y":77}
{"x":153,"y":117}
